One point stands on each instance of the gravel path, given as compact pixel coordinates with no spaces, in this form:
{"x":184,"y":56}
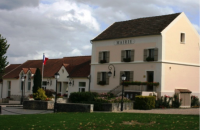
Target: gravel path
{"x":184,"y":111}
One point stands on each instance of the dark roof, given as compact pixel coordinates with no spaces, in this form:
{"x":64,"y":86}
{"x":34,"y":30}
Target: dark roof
{"x":53,"y":65}
{"x":8,"y":69}
{"x":137,"y":27}
{"x":184,"y":90}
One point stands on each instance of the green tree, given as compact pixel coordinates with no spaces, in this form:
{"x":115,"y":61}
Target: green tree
{"x":3,"y":49}
{"x":37,"y":80}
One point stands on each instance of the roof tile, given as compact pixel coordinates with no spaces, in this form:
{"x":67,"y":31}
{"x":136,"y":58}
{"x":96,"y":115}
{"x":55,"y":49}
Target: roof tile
{"x":137,"y":27}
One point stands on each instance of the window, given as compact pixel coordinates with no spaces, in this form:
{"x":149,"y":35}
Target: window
{"x":29,"y":82}
{"x":9,"y":88}
{"x":82,"y":86}
{"x":182,"y":37}
{"x":151,"y":54}
{"x":102,"y":78}
{"x":128,"y":74}
{"x":127,"y":55}
{"x":104,"y":56}
{"x":60,"y":87}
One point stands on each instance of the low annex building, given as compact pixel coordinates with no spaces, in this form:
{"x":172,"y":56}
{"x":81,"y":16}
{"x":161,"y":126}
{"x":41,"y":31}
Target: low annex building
{"x":73,"y":72}
{"x":162,"y":49}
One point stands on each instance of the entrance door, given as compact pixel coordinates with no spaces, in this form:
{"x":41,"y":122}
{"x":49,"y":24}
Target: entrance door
{"x":150,"y":75}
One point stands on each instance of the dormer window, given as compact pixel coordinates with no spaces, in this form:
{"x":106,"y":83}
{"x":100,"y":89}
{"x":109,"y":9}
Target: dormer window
{"x":182,"y":37}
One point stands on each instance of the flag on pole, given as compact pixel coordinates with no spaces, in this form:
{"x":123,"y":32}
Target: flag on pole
{"x":44,"y":60}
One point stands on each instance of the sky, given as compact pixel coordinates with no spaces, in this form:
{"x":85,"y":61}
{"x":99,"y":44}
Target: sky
{"x":63,"y":28}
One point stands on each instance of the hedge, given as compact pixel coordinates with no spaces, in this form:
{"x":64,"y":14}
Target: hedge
{"x":79,"y":97}
{"x":144,"y":102}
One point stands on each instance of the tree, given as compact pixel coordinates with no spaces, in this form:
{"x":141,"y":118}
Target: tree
{"x":3,"y":49}
{"x":37,"y":80}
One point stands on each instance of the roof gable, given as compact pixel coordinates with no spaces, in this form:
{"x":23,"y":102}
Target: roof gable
{"x":137,"y":27}
{"x":52,"y":66}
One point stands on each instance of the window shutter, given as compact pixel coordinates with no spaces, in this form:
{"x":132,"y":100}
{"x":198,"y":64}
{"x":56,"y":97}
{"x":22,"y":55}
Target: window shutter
{"x":98,"y":77}
{"x":120,"y":77}
{"x":131,"y":76}
{"x":145,"y":54}
{"x":100,"y":56}
{"x":155,"y":54}
{"x":123,"y":52}
{"x":107,"y":57}
{"x":132,"y":55}
{"x":107,"y":79}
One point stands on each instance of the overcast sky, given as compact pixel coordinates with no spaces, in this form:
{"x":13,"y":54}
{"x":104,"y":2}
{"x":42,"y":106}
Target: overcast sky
{"x":61,"y":28}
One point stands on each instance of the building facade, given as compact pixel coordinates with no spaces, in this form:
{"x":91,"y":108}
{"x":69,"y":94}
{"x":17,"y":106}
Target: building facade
{"x":73,"y":73}
{"x":163,"y":49}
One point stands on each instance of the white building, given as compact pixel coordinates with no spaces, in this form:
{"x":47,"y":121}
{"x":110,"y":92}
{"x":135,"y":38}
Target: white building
{"x":163,"y":49}
{"x":73,"y":72}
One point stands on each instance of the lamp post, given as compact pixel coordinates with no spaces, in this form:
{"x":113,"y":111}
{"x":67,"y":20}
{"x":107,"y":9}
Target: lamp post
{"x":89,"y":77}
{"x":71,"y":81}
{"x":56,"y":75}
{"x":22,"y":83}
{"x":123,"y":78}
{"x":110,"y":68}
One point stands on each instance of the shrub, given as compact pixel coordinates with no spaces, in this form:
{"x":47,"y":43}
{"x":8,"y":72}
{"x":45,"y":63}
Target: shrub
{"x":65,"y":95}
{"x":40,"y":95}
{"x":149,"y":59}
{"x":78,"y":97}
{"x":102,"y":82}
{"x":59,"y":95}
{"x":127,"y":59}
{"x":176,"y":103}
{"x":37,"y":80}
{"x":144,"y":102}
{"x":30,"y":95}
{"x":49,"y":93}
{"x":163,"y":102}
{"x":194,"y":101}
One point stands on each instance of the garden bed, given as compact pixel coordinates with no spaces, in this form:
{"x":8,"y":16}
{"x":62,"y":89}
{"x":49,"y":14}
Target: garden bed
{"x":116,"y":106}
{"x":38,"y":105}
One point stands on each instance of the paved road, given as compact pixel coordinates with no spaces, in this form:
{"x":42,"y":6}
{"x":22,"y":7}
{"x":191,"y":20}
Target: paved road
{"x":185,"y":111}
{"x":20,"y":111}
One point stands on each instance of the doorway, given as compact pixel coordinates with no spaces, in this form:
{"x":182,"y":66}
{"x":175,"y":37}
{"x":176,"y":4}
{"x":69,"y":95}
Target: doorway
{"x":150,"y":75}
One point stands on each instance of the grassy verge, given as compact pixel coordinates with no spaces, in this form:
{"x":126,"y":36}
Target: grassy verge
{"x":99,"y":121}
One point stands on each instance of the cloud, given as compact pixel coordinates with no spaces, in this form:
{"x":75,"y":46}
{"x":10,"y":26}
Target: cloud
{"x":52,"y":29}
{"x":10,"y":4}
{"x":76,"y":52}
{"x":61,"y":28}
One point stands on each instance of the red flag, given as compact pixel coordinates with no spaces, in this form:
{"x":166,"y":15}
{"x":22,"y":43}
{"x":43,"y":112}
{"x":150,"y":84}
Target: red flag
{"x":45,"y":59}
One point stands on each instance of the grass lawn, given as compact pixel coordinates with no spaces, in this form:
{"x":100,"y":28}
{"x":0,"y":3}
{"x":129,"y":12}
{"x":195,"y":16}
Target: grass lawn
{"x":99,"y":121}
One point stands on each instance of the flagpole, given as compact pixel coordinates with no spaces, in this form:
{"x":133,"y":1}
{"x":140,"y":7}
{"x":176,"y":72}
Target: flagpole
{"x":42,"y":68}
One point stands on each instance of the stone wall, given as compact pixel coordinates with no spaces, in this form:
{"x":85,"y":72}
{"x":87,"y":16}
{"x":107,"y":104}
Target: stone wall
{"x":74,"y":107}
{"x":38,"y":105}
{"x":4,"y":100}
{"x":116,"y":106}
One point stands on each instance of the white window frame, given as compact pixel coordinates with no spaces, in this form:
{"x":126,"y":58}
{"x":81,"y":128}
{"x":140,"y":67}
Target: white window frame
{"x":81,"y":87}
{"x":182,"y":39}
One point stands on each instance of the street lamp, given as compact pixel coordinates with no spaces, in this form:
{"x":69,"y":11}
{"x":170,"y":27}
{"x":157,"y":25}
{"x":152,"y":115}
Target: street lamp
{"x":123,"y":78}
{"x":110,"y":68}
{"x":89,"y":77}
{"x":22,"y":83}
{"x":56,"y":75}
